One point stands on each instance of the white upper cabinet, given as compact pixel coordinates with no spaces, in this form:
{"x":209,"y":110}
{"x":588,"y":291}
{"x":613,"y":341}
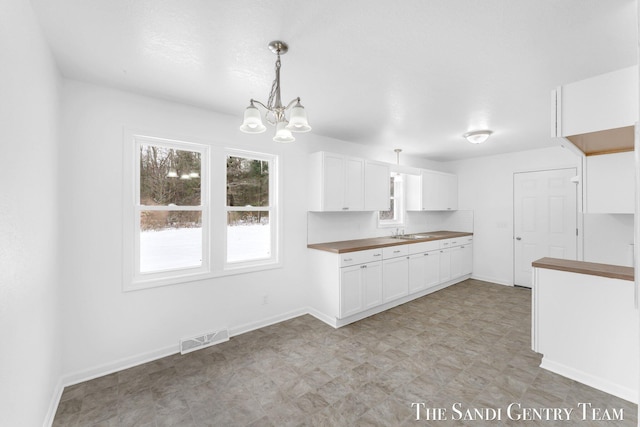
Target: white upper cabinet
{"x":597,"y":114}
{"x":610,"y":183}
{"x":432,"y":191}
{"x":344,"y":183}
{"x":376,"y":186}
{"x":607,"y":101}
{"x":336,"y":182}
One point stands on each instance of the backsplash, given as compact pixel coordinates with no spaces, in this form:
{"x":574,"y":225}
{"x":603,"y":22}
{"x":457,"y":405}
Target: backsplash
{"x":335,"y":226}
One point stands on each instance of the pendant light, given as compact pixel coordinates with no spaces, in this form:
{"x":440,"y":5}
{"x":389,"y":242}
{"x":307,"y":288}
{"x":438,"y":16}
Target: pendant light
{"x":275,"y":111}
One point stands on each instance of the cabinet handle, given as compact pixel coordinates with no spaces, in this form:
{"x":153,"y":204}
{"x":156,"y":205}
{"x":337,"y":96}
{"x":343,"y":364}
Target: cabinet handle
{"x":461,"y":247}
{"x":377,"y":254}
{"x":345,"y":209}
{"x":348,"y":259}
{"x":425,"y":254}
{"x":363,"y":266}
{"x":396,"y":252}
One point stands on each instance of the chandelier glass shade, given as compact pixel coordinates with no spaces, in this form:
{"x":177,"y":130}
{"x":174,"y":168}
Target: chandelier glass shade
{"x":275,"y":111}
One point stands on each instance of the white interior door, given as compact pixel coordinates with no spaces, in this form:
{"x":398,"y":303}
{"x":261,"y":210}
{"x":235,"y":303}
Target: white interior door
{"x":545,"y":219}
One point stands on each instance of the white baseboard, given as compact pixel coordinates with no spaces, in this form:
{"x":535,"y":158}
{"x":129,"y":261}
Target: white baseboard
{"x":53,"y":405}
{"x":601,"y":384}
{"x":129,"y":362}
{"x":331,"y":321}
{"x":118,"y":365}
{"x":248,"y":327}
{"x":491,"y":279}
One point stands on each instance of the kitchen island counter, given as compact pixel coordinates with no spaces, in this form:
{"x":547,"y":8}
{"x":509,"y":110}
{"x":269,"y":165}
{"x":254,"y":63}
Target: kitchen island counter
{"x":582,"y":267}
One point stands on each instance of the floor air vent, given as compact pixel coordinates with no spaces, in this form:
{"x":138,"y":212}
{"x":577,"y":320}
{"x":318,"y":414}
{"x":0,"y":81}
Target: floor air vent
{"x":187,"y":345}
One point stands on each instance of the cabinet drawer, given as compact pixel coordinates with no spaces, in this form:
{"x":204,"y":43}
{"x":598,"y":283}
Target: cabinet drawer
{"x":416,"y":248}
{"x":395,"y":251}
{"x":360,"y":257}
{"x":447,"y":243}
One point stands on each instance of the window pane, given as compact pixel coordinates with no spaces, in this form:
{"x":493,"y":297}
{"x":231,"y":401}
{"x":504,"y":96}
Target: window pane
{"x":248,"y":236}
{"x":169,"y":176}
{"x":170,"y":240}
{"x":390,"y":214}
{"x":392,"y":186}
{"x":247,"y":182}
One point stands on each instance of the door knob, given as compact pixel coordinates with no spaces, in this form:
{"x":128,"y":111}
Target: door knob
{"x":518,"y":238}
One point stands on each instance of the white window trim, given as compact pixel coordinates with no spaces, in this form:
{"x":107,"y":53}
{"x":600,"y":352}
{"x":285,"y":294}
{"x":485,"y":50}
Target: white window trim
{"x":274,"y":216}
{"x":399,"y":197}
{"x":213,"y":201}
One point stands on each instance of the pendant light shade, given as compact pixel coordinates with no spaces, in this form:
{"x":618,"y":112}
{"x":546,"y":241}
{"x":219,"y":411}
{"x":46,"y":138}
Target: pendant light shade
{"x":282,"y":133}
{"x":252,"y":120}
{"x":298,"y":119}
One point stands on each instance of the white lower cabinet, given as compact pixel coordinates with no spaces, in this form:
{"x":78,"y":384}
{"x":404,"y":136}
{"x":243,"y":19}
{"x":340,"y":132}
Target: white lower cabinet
{"x":395,"y":272}
{"x":372,"y":285}
{"x":456,"y":261}
{"x":350,"y":286}
{"x":467,"y":258}
{"x":445,"y":265}
{"x":424,"y":271}
{"x":395,"y":278}
{"x":360,"y":288}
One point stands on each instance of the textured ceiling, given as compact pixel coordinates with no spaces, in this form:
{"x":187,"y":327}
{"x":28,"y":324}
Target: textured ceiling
{"x":410,"y":74}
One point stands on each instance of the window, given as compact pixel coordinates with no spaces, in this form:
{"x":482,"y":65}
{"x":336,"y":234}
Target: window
{"x":250,"y":209}
{"x":178,"y":226}
{"x":395,"y":215}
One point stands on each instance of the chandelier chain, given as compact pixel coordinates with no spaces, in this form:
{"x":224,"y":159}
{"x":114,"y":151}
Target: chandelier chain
{"x":275,"y":86}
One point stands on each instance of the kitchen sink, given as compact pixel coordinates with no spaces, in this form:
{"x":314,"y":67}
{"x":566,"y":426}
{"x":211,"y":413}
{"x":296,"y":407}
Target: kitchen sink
{"x":412,"y":236}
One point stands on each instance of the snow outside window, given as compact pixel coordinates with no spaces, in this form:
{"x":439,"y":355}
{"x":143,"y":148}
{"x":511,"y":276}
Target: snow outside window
{"x":395,"y":215}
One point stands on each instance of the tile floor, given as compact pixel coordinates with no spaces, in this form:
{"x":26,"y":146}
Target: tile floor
{"x":468,"y":343}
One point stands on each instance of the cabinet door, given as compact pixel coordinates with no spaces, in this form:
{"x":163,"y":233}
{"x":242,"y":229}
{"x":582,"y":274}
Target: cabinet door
{"x":456,"y":261}
{"x":467,"y":259}
{"x":430,"y":191}
{"x":395,"y":278}
{"x":432,"y":268}
{"x":448,"y":197}
{"x":350,"y":290}
{"x":371,"y":285}
{"x":376,"y":186}
{"x":333,"y":189}
{"x":417,"y":272}
{"x":445,"y":265}
{"x":354,"y":184}
{"x":610,"y":183}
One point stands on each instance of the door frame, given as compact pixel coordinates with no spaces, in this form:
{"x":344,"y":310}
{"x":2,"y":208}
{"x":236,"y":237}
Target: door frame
{"x":579,"y":166}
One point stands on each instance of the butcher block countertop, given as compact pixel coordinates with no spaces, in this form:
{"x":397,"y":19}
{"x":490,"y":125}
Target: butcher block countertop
{"x":380,"y":242}
{"x":582,"y":267}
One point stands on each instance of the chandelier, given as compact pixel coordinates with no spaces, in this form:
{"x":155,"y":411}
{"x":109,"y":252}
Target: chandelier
{"x":275,"y":111}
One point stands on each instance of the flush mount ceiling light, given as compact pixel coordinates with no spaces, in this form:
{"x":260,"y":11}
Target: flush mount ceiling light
{"x":275,"y":114}
{"x":477,"y":136}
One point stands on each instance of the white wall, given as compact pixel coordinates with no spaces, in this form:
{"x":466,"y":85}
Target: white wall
{"x":106,"y":329}
{"x":608,"y":238}
{"x":485,"y":186}
{"x":30,"y":336}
